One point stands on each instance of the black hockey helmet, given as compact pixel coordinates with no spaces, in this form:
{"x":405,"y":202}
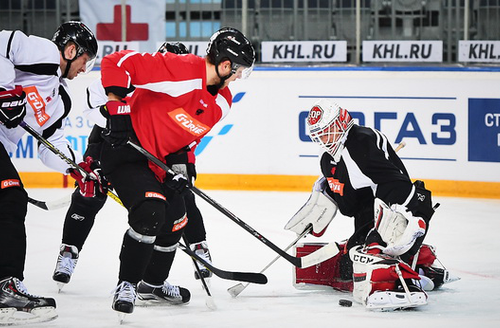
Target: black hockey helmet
{"x":78,"y":33}
{"x":229,"y":43}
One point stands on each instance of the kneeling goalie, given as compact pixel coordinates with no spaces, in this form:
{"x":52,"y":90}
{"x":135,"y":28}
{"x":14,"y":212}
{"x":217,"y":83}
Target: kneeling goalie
{"x":384,"y":262}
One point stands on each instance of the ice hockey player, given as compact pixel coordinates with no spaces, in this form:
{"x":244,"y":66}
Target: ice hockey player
{"x":33,"y":89}
{"x":365,"y":179}
{"x":176,"y":101}
{"x":89,"y":198}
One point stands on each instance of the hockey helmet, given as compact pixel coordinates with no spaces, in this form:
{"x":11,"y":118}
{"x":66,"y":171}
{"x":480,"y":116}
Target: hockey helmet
{"x":328,"y":126}
{"x":81,"y":35}
{"x":229,"y":43}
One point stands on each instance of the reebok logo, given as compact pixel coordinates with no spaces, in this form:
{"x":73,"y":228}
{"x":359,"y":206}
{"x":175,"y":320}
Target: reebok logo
{"x":77,"y":217}
{"x":10,"y":183}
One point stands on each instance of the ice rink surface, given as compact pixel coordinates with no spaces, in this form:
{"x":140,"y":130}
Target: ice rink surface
{"x":465,"y":232}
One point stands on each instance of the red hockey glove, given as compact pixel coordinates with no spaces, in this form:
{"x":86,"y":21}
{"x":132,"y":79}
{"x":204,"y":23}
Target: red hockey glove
{"x":94,"y":183}
{"x":118,"y":126}
{"x":12,"y":106}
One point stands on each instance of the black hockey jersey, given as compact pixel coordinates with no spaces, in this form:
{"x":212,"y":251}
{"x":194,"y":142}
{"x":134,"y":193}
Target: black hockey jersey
{"x":368,"y":168}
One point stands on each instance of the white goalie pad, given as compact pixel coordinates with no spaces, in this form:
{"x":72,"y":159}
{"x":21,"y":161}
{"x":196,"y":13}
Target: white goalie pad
{"x":319,"y":210}
{"x":397,"y":226}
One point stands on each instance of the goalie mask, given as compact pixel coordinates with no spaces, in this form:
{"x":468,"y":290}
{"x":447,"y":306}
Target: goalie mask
{"x":328,"y":126}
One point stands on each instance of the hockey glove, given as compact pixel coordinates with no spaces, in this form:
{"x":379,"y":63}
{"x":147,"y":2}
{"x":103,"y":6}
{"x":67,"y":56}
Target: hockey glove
{"x":92,"y":184}
{"x":12,"y":106}
{"x":118,"y":125}
{"x":177,"y":48}
{"x":177,"y":183}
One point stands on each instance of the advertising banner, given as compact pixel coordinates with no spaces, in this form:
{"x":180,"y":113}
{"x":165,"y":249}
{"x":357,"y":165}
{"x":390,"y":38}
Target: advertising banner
{"x":402,"y":51}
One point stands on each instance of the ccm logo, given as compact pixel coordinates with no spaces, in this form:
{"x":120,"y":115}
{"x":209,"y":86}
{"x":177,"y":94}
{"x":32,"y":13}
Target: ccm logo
{"x":10,"y":183}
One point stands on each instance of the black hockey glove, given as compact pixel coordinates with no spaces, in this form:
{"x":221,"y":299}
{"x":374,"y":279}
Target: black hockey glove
{"x":12,"y":106}
{"x":173,"y":47}
{"x":118,"y":125}
{"x":177,"y":183}
{"x":179,"y":163}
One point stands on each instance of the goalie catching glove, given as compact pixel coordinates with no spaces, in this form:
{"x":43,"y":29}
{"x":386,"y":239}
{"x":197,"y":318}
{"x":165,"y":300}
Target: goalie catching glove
{"x":318,"y":211}
{"x":93,"y":183}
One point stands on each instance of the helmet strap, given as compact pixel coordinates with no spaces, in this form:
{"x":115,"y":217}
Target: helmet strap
{"x":222,"y":78}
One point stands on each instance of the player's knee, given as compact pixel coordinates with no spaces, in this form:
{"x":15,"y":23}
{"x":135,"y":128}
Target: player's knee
{"x":147,"y":217}
{"x":86,"y":206}
{"x":14,"y":203}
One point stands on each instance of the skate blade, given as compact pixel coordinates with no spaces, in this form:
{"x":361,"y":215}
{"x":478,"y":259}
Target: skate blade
{"x":10,"y":316}
{"x":121,"y":317}
{"x":60,"y":286}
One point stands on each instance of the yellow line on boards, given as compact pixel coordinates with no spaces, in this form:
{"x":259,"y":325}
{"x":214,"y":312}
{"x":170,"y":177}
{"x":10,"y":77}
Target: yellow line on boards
{"x":474,"y":189}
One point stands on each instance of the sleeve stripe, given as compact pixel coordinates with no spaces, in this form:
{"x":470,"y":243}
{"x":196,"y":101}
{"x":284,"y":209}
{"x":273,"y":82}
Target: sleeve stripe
{"x":173,"y":89}
{"x":9,"y":44}
{"x":125,"y":58}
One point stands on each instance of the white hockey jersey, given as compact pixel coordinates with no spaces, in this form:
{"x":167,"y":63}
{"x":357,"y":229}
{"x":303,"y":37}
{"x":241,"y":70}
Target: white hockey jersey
{"x":33,"y":63}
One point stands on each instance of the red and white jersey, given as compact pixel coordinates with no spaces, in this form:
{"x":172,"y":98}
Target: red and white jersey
{"x":33,"y":63}
{"x":170,"y":107}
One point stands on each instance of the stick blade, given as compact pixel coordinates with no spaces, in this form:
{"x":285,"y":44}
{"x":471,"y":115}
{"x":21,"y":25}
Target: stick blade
{"x":324,"y":253}
{"x":236,"y":290}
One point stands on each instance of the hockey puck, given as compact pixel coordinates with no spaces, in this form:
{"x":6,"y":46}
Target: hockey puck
{"x":344,"y":302}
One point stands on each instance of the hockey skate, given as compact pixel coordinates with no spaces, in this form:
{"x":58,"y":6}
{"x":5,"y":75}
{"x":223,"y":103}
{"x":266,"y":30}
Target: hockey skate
{"x":124,"y":299}
{"x":164,"y":294}
{"x":432,"y":272}
{"x":201,"y":249}
{"x":66,"y":262}
{"x":18,"y":307}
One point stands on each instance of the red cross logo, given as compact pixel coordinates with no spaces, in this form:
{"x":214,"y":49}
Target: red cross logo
{"x":113,"y":31}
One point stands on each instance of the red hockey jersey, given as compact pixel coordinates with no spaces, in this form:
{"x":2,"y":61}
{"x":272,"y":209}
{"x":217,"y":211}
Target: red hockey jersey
{"x":170,"y":107}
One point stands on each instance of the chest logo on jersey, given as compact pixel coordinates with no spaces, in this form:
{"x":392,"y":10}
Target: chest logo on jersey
{"x":336,"y":186}
{"x":188,"y":123}
{"x":38,"y":105}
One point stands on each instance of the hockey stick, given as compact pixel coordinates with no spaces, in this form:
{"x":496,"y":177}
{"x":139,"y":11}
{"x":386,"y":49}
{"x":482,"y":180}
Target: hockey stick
{"x":51,"y":205}
{"x":322,"y":254}
{"x":209,"y":301}
{"x":400,"y":146}
{"x":256,"y":278}
{"x":238,"y":288}
{"x":61,"y":155}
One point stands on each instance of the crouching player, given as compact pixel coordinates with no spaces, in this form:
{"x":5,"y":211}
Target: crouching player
{"x":365,"y":179}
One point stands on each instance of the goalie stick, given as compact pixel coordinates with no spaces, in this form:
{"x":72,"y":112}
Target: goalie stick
{"x":61,"y":155}
{"x":256,"y":278}
{"x":51,"y":205}
{"x":322,"y":254}
{"x":238,"y":288}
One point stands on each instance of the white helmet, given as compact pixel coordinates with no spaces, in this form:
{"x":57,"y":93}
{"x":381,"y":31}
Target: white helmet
{"x":328,"y":126}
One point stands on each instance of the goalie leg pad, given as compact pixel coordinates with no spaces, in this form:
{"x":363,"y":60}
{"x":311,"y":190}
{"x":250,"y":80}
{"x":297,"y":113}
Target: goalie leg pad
{"x":378,"y":281}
